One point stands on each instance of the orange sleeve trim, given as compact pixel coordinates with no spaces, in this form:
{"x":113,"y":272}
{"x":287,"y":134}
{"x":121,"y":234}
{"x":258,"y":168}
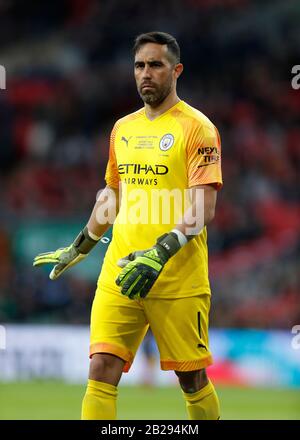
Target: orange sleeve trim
{"x":117,"y":350}
{"x":112,"y":177}
{"x":186,"y":365}
{"x":217,"y":183}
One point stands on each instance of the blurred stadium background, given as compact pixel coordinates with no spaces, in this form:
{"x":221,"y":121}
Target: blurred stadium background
{"x":68,"y":78}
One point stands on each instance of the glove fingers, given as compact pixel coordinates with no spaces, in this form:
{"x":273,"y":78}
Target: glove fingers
{"x":147,"y":286}
{"x":44,"y":260}
{"x":48,"y":257}
{"x":140,"y":271}
{"x":138,"y":283}
{"x":134,"y":289}
{"x":131,"y":282}
{"x":46,"y":254}
{"x":124,"y":274}
{"x":129,"y":279}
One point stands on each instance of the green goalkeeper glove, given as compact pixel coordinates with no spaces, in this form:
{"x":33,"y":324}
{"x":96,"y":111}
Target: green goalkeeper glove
{"x":142,"y":268}
{"x":64,"y":258}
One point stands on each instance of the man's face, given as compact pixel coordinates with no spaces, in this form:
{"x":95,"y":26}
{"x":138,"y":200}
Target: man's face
{"x":154,"y":72}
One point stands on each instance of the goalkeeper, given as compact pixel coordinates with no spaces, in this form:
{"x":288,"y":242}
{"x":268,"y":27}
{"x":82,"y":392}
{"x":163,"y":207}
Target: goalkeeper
{"x":155,"y":271}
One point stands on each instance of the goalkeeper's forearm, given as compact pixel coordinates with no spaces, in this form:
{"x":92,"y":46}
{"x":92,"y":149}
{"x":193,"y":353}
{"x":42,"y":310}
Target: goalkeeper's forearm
{"x":104,"y":212}
{"x":199,"y":214}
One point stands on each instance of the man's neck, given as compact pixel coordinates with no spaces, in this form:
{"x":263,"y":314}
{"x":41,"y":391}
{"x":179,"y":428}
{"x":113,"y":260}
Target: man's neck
{"x":153,"y":112}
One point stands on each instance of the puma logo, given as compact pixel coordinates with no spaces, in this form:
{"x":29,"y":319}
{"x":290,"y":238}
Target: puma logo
{"x":126,"y":140}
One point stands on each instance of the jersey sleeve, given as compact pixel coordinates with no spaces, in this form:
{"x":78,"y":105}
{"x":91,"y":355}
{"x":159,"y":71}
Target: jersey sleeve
{"x":112,"y":177}
{"x":204,"y":157}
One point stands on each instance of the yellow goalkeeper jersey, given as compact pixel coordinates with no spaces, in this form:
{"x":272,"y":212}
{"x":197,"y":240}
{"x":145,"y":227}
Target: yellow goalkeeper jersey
{"x":154,"y":163}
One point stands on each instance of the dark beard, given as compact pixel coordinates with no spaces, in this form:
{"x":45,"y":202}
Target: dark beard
{"x":156,"y":98}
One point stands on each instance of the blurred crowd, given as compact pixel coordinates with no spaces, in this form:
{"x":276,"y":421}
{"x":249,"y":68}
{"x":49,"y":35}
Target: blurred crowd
{"x":70,"y":76}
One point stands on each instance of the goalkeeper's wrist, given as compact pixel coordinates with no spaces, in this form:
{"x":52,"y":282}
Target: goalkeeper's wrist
{"x":169,"y":244}
{"x":84,"y":243}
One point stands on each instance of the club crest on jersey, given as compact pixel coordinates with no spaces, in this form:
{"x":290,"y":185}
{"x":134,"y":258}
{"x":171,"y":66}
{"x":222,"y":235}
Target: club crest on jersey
{"x":166,"y":142}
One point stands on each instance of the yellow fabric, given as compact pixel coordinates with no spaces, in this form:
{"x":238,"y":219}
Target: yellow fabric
{"x":118,"y":325}
{"x":204,"y":404}
{"x":180,"y":328}
{"x":178,"y":150}
{"x":99,"y":402}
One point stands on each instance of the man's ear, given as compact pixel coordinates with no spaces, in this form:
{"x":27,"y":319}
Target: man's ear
{"x":178,"y":70}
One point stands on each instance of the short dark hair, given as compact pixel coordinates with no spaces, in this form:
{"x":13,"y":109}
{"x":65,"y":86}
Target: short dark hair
{"x":158,"y":38}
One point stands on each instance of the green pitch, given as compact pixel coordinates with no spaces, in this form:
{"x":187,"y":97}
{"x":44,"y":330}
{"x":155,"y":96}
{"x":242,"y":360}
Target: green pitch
{"x":56,"y":400}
